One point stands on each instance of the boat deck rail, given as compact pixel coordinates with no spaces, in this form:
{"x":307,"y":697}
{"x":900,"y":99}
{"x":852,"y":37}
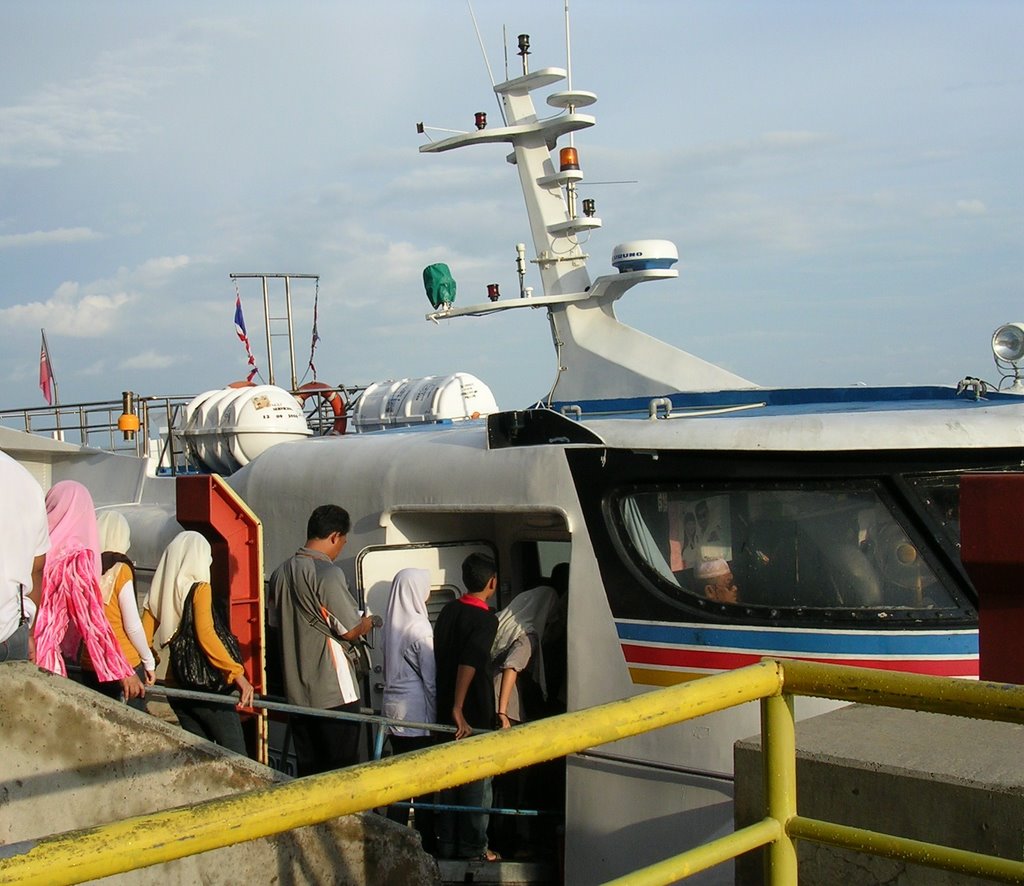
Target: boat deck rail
{"x":96,"y":424}
{"x":146,"y":840}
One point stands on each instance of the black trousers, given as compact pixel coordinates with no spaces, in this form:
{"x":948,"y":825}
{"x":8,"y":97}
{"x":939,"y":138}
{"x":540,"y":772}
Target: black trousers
{"x":218,"y":723}
{"x":424,"y":818}
{"x":323,"y":744}
{"x":113,"y":688}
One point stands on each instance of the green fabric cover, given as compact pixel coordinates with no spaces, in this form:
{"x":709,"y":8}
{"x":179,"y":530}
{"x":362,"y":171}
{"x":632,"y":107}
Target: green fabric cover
{"x":439,"y":283}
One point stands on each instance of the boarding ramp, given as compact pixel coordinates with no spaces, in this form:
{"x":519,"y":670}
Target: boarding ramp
{"x":75,"y":759}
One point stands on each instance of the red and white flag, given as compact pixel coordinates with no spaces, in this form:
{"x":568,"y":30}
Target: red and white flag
{"x":45,"y":373}
{"x":243,"y":336}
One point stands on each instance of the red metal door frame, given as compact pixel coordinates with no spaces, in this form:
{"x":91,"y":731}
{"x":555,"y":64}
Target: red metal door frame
{"x":206,"y":504}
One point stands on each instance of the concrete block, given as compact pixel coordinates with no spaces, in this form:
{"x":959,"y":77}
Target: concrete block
{"x":74,"y":758}
{"x":946,"y":780}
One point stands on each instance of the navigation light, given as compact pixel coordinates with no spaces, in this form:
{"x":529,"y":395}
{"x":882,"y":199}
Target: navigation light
{"x":568,"y":159}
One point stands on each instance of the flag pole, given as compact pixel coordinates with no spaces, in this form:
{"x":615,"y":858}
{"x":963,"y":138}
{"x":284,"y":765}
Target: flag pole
{"x":53,"y":376}
{"x":53,"y":379}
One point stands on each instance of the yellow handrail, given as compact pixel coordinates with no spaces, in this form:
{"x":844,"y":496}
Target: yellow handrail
{"x":943,"y":695}
{"x":163,"y":836}
{"x":703,"y":857}
{"x":145,"y":840}
{"x":946,"y":858}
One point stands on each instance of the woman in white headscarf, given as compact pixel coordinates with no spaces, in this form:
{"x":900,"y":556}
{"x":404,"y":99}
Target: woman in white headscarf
{"x":410,"y":677}
{"x":185,"y":566}
{"x":117,"y":588}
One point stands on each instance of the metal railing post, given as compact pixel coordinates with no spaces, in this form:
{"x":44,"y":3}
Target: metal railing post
{"x":778,"y":727}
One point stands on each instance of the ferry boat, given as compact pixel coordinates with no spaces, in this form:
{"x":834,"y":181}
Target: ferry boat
{"x":835,"y":510}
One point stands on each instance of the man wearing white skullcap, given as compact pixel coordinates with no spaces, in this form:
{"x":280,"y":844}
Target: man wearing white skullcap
{"x":717,"y":581}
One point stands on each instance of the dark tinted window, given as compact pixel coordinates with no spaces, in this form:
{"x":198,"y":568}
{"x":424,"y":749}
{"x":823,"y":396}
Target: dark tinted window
{"x":785,"y":548}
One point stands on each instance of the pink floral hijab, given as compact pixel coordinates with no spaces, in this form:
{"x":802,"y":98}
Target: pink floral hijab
{"x":72,"y":520}
{"x":71,"y":607}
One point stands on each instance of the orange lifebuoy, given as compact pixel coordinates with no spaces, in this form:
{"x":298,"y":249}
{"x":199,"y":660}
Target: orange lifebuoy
{"x":242,"y":384}
{"x":332,"y":397}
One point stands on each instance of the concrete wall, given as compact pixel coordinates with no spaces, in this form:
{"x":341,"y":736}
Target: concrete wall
{"x":73,"y":758}
{"x":946,"y":780}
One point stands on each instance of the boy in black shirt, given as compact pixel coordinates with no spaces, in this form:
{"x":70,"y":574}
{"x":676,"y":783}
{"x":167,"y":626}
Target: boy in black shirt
{"x":463,"y":635}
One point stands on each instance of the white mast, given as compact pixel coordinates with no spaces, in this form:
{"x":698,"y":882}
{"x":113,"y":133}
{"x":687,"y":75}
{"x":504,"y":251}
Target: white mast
{"x":597,"y":356}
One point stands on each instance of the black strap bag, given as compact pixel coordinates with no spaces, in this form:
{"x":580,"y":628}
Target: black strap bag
{"x":358,"y":654}
{"x":189,"y":664}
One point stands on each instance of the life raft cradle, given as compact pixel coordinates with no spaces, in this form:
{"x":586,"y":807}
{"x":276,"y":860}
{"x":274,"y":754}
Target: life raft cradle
{"x":332,"y":397}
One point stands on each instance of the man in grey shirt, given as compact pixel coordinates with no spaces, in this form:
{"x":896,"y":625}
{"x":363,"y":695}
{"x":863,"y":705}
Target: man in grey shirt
{"x":317,"y":618}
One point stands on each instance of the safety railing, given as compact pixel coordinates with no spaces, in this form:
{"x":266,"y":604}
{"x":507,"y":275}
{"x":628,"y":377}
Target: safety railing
{"x":377,"y":725}
{"x":782,"y":824}
{"x":95,"y":425}
{"x":160,"y":419}
{"x":159,"y":837}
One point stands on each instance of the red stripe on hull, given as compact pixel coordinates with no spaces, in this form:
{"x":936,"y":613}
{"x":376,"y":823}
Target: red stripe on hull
{"x":728,"y":661}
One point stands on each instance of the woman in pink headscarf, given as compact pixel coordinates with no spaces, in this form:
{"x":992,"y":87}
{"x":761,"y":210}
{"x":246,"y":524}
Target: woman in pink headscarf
{"x":71,"y":605}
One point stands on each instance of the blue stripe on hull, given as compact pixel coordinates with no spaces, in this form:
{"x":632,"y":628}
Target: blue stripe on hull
{"x":807,"y":641}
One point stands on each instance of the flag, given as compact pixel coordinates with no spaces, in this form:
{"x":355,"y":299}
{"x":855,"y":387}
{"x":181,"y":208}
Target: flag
{"x":45,"y":374}
{"x":243,"y":336}
{"x":316,"y":335}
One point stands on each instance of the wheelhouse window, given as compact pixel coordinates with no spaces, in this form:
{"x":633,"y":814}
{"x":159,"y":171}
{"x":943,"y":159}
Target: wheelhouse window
{"x":941,"y":497}
{"x":782,"y":548}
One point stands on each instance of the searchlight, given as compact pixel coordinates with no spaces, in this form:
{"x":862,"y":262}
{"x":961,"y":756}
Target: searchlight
{"x":1008,"y":351}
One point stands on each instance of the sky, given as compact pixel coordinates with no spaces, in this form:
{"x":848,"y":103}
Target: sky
{"x":844,"y":182}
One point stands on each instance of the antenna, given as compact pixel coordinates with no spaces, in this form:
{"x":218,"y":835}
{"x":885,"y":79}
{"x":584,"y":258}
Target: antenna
{"x":487,"y":62}
{"x":570,"y":186}
{"x":568,"y":55}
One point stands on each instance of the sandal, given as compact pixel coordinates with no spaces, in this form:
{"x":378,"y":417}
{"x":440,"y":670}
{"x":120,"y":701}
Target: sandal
{"x":489,"y":855}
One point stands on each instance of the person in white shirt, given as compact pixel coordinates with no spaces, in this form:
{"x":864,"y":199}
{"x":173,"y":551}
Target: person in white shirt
{"x":24,"y":542}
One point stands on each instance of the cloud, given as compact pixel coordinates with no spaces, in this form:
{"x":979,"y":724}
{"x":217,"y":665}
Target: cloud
{"x":97,"y":113}
{"x":965,"y":208}
{"x":783,"y":143}
{"x":795,"y":140}
{"x":95,"y":309}
{"x":47,"y":238}
{"x":148,"y":360}
{"x":970,"y":207}
{"x":159,"y":268}
{"x":69,"y":313}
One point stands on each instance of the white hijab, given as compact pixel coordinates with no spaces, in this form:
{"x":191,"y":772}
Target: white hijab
{"x":526,"y":614}
{"x":406,"y":620}
{"x":115,"y":535}
{"x":187,"y":560}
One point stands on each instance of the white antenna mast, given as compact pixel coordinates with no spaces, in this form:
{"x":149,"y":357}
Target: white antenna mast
{"x":570,"y":186}
{"x":568,"y":56}
{"x":487,"y":62}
